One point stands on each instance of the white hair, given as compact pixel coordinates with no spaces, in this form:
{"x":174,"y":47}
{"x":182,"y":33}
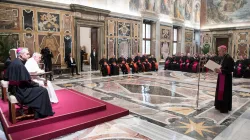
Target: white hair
{"x":22,"y":51}
{"x":36,"y":54}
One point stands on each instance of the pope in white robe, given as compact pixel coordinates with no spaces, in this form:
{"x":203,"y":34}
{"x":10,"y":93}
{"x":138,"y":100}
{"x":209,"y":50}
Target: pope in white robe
{"x":33,"y":67}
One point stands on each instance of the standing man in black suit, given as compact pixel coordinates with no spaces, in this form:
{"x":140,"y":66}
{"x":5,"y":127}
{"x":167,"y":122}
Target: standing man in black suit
{"x":72,"y":64}
{"x":94,"y":58}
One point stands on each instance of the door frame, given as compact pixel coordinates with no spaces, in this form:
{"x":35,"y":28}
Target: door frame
{"x":229,"y":44}
{"x":85,"y":16}
{"x":100,"y":37}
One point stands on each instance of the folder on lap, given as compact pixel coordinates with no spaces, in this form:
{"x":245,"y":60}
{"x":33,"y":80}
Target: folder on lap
{"x":212,"y":65}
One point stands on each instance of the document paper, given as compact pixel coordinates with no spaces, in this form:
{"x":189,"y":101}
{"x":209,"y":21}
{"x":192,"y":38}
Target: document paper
{"x":212,"y":65}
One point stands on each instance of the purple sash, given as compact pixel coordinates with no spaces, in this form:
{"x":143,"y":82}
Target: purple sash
{"x":221,"y":86}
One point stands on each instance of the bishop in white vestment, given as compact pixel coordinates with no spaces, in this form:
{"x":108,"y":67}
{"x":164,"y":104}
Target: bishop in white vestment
{"x":33,"y":67}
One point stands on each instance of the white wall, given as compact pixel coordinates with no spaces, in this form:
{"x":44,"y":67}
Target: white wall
{"x":85,"y":39}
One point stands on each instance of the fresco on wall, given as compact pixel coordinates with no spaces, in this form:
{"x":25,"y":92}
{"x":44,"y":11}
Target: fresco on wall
{"x":134,"y":5}
{"x":136,"y":30}
{"x":9,"y":18}
{"x":165,"y":34}
{"x":124,"y":29}
{"x":188,"y":36}
{"x":225,"y":11}
{"x":242,"y":49}
{"x":165,"y":7}
{"x":111,"y":28}
{"x":150,"y":5}
{"x":29,"y":42}
{"x":188,"y":9}
{"x":123,"y":47}
{"x":53,"y":43}
{"x":197,"y":8}
{"x":28,"y":16}
{"x":111,"y":45}
{"x":67,"y":23}
{"x":48,"y":21}
{"x":179,"y":9}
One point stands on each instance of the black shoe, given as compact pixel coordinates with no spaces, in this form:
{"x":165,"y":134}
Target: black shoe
{"x":77,"y":74}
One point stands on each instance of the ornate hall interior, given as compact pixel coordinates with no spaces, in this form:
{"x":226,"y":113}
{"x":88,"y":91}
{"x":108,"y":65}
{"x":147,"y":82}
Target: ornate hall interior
{"x":161,"y":104}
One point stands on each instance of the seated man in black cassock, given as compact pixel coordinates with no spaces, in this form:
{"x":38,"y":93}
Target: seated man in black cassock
{"x":72,"y":64}
{"x":114,"y":69}
{"x":125,"y":67}
{"x":147,"y":65}
{"x":168,"y":62}
{"x":153,"y":61}
{"x":239,"y":68}
{"x":120,"y":59}
{"x":112,"y":59}
{"x":101,"y":62}
{"x":105,"y":69}
{"x":24,"y":89}
{"x":223,"y":95}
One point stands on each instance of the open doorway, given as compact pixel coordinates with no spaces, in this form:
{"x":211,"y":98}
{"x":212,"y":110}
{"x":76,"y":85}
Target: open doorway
{"x":88,"y":41}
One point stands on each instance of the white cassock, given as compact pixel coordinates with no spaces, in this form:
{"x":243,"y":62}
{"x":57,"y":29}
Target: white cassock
{"x":32,"y":67}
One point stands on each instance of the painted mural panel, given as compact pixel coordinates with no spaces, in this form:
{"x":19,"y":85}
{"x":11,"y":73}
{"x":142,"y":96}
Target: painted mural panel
{"x":111,"y":45}
{"x":123,"y":47}
{"x":165,"y":7}
{"x":124,"y":29}
{"x":150,"y":5}
{"x":165,"y":34}
{"x":197,"y":8}
{"x":53,"y":43}
{"x":48,"y":21}
{"x":28,"y":16}
{"x":179,"y":9}
{"x":135,"y":46}
{"x":188,"y":9}
{"x":228,"y":11}
{"x":134,"y":5}
{"x":136,"y":30}
{"x":9,"y":18}
{"x":29,"y":42}
{"x":242,"y":49}
{"x":67,"y":20}
{"x":111,"y":28}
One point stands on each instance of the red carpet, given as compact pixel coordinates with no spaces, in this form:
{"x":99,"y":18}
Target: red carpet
{"x":75,"y":111}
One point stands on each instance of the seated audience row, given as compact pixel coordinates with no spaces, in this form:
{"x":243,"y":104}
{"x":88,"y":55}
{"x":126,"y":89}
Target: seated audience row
{"x":137,"y":64}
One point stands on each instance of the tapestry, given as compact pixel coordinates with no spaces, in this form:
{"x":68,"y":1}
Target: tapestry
{"x":123,"y":47}
{"x":111,"y":47}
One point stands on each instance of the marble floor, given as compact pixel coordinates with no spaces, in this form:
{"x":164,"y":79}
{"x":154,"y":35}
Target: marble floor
{"x":163,"y":105}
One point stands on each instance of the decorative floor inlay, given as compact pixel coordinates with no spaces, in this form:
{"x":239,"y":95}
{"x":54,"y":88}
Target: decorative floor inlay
{"x":166,"y":99}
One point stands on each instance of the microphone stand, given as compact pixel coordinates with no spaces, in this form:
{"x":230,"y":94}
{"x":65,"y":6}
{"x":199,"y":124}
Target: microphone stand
{"x":198,"y":90}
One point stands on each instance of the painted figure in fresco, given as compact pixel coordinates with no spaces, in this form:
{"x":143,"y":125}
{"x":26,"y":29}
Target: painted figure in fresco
{"x":197,"y":13}
{"x":134,"y":5}
{"x":150,"y":5}
{"x":165,"y":50}
{"x":223,"y":96}
{"x":165,"y":6}
{"x":188,"y":9}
